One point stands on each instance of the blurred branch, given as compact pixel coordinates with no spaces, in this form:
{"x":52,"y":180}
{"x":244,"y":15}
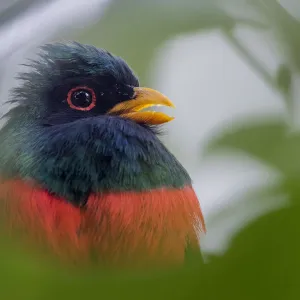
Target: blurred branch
{"x":284,"y":25}
{"x":253,"y":61}
{"x":261,"y":71}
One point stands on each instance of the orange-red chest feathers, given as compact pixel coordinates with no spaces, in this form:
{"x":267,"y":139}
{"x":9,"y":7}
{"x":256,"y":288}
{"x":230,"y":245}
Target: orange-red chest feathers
{"x":113,"y":228}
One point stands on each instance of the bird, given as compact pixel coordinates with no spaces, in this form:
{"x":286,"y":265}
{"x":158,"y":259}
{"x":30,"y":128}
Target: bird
{"x":83,"y":172}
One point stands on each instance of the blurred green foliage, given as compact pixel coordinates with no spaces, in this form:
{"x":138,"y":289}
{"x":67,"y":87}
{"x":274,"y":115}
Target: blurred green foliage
{"x":262,"y":260}
{"x":134,"y":29}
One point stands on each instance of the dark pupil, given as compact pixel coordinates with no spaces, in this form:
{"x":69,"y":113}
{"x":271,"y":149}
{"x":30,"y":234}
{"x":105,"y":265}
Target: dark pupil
{"x":82,"y":98}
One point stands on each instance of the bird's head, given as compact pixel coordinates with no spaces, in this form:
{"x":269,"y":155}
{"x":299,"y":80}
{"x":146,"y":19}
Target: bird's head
{"x":75,"y":81}
{"x":80,"y":126}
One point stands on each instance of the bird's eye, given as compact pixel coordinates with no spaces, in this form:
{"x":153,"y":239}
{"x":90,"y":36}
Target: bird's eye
{"x":81,"y":98}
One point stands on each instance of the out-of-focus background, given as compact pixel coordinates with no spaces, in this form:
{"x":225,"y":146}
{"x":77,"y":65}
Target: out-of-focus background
{"x":232,"y":69}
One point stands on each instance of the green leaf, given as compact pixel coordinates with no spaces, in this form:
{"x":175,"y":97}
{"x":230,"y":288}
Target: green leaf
{"x":258,"y":139}
{"x":270,"y":142}
{"x":284,"y":78}
{"x":262,"y":261}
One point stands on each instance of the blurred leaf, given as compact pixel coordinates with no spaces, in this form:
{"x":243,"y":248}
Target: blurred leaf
{"x":284,"y":78}
{"x":45,"y":280}
{"x":262,"y":261}
{"x":257,"y":139}
{"x":284,"y":83}
{"x":271,"y":142}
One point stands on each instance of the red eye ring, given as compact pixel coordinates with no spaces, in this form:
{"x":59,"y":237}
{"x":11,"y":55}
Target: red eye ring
{"x":91,"y":91}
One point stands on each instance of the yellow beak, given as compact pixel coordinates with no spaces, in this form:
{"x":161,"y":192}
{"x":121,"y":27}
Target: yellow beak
{"x":144,"y":98}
